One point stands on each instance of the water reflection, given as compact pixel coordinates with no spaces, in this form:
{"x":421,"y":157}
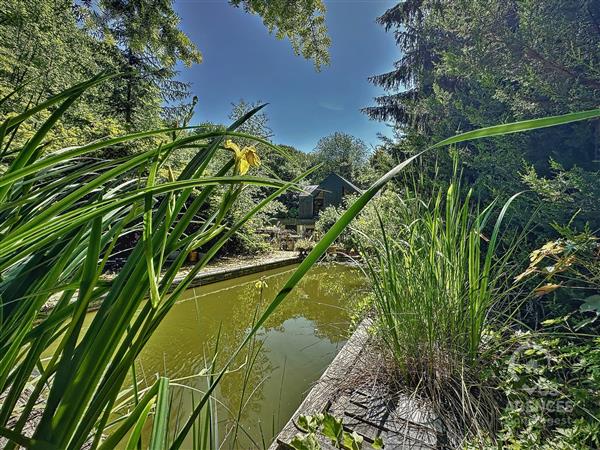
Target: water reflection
{"x":296,"y":344}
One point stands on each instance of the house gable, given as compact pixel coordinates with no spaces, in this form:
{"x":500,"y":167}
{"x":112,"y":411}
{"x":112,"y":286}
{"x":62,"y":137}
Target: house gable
{"x":330,"y":191}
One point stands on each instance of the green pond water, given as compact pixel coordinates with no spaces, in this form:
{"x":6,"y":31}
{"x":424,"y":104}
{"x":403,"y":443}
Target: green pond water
{"x":296,"y":345}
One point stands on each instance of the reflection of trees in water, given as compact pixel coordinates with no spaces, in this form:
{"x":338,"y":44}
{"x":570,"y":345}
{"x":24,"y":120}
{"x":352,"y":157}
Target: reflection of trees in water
{"x":258,"y":366}
{"x":187,"y":339}
{"x":321,"y":298}
{"x":324,"y":297}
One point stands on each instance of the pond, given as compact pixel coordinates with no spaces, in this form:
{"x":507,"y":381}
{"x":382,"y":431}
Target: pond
{"x":292,"y":350}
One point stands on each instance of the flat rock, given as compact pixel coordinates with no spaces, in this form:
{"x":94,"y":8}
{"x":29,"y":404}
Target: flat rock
{"x":371,"y":410}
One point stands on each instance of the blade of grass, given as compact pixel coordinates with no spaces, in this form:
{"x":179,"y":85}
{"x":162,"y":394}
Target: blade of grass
{"x":158,"y":440}
{"x":518,"y":127}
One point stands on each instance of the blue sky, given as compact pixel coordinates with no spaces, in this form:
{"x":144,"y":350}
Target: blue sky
{"x":241,"y":60}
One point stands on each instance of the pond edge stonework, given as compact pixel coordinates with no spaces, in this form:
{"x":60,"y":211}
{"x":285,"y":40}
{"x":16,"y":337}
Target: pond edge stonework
{"x":370,"y":409}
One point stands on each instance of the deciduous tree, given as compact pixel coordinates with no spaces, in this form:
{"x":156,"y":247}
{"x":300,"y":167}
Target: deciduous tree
{"x":341,"y":153}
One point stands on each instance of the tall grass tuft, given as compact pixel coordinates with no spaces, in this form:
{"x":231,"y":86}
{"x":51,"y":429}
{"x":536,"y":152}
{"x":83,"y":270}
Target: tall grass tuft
{"x":435,"y":282}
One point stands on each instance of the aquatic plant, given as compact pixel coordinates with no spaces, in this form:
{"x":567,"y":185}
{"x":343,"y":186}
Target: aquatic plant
{"x":61,"y":215}
{"x":437,"y":281}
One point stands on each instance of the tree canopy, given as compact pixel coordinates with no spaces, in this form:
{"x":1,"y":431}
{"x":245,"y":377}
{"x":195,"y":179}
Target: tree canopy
{"x":51,"y":45}
{"x":341,"y":153}
{"x":302,"y":22}
{"x":470,"y":64}
{"x":146,"y":36}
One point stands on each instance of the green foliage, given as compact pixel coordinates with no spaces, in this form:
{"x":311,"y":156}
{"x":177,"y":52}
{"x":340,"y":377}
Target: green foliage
{"x":147,"y":38}
{"x":379,"y":162}
{"x":551,"y":380}
{"x":550,"y":384}
{"x":308,"y":442}
{"x":302,"y":22}
{"x":44,"y":50}
{"x":548,"y":377}
{"x":541,"y":62}
{"x":61,"y":216}
{"x":388,"y":208}
{"x":249,"y":240}
{"x":330,"y":427}
{"x":365,"y":232}
{"x":327,"y":218}
{"x":569,"y":190}
{"x":468,"y":64}
{"x":340,"y":153}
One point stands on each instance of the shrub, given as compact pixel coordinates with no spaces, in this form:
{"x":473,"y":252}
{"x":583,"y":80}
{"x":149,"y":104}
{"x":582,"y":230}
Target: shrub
{"x":330,"y":216}
{"x":550,"y":387}
{"x":303,"y":246}
{"x":549,"y":378}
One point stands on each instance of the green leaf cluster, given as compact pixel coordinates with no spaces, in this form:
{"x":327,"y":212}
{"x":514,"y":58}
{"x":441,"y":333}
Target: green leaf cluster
{"x":61,"y":216}
{"x":332,"y":429}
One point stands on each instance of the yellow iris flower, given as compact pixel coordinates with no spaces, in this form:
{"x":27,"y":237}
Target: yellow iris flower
{"x":244,"y":158}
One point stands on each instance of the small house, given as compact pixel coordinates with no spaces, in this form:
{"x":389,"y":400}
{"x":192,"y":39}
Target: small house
{"x":315,"y":198}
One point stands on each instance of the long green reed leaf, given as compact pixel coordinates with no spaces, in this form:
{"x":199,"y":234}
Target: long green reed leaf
{"x":161,"y":416}
{"x":519,"y":127}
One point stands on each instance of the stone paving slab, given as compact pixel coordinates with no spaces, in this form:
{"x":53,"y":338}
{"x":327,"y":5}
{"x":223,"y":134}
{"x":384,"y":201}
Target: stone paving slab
{"x":371,"y":411}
